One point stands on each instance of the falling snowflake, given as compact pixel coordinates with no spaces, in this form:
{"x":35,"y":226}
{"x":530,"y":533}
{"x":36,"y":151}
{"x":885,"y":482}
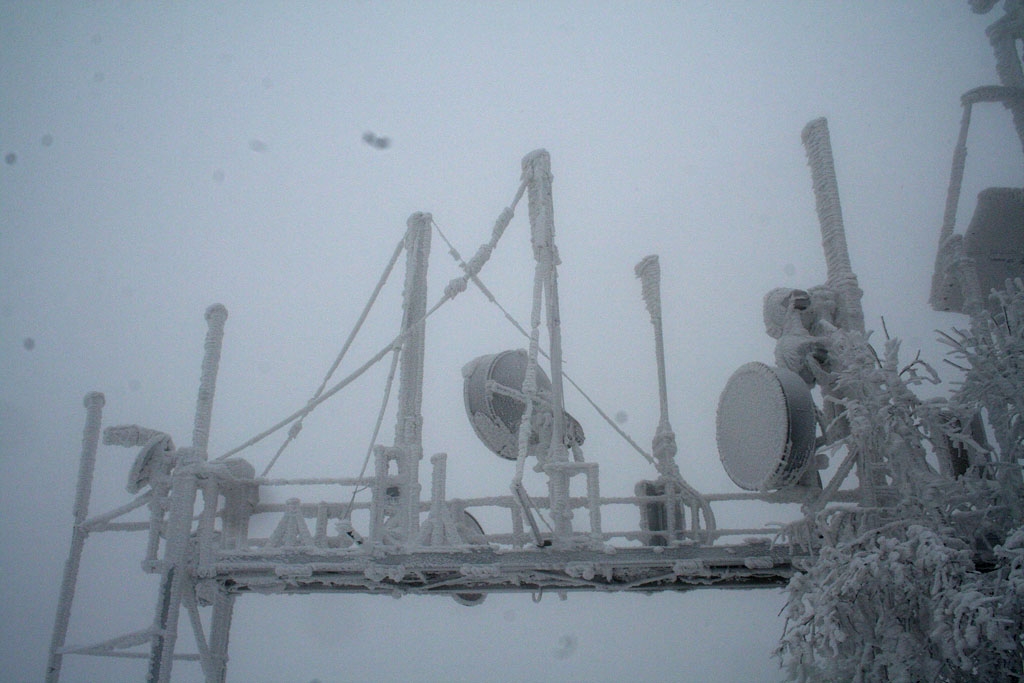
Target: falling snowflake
{"x":566,"y":646}
{"x":376,"y":141}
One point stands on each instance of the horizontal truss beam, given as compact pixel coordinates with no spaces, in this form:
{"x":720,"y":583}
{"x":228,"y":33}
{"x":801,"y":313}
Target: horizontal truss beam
{"x":486,"y":570}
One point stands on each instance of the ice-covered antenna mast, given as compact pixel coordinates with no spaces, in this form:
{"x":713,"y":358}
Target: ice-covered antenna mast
{"x":537,"y":175}
{"x":175,"y":582}
{"x":830,"y":214}
{"x":216,"y":315}
{"x":670,"y":481}
{"x":649,"y":272}
{"x":409,"y":426}
{"x":90,"y":442}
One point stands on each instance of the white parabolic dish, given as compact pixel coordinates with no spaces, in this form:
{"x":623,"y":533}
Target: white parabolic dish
{"x":765,"y":427}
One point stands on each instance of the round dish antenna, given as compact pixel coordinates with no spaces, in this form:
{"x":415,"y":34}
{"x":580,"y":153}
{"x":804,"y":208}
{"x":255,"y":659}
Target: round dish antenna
{"x":495,"y":403}
{"x":470,"y":528}
{"x":765,"y":427}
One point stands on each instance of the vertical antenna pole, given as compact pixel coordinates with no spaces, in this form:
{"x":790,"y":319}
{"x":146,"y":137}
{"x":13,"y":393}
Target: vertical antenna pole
{"x":409,"y":428}
{"x":86,"y":465}
{"x":215,"y":317}
{"x":537,"y":173}
{"x":175,"y":576}
{"x":830,"y":215}
{"x":837,"y":261}
{"x":664,"y":445}
{"x":956,"y":178}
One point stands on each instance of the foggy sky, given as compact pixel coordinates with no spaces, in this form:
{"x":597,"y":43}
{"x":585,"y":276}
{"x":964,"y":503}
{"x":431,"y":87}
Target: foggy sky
{"x":160,"y":158}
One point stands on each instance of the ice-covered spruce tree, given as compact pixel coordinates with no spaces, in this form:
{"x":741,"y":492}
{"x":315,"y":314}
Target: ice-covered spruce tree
{"x":925,"y":580}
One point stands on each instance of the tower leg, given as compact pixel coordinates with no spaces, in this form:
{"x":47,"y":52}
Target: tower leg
{"x":220,"y":628}
{"x":90,"y":442}
{"x":174,"y":579}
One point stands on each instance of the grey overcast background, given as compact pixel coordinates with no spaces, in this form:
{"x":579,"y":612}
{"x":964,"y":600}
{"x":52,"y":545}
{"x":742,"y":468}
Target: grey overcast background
{"x":159,"y":157}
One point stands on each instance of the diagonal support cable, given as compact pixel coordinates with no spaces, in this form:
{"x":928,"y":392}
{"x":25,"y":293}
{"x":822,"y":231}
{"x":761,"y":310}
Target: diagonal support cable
{"x":297,"y":427}
{"x":475,"y":279}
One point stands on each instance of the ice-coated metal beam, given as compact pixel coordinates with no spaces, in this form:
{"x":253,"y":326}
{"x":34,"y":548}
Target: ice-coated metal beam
{"x":90,"y":442}
{"x":483,"y":570}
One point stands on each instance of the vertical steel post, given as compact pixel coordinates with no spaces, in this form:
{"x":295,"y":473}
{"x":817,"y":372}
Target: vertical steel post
{"x":215,"y":317}
{"x":437,"y":501}
{"x":818,"y":145}
{"x":664,"y":444}
{"x":220,"y":628}
{"x":184,"y":485}
{"x":86,"y":465}
{"x":174,"y":579}
{"x":537,"y":173}
{"x":409,"y":428}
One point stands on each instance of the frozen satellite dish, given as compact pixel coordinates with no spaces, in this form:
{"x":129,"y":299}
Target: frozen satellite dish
{"x":493,"y":391}
{"x":765,"y":427}
{"x":472,"y":532}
